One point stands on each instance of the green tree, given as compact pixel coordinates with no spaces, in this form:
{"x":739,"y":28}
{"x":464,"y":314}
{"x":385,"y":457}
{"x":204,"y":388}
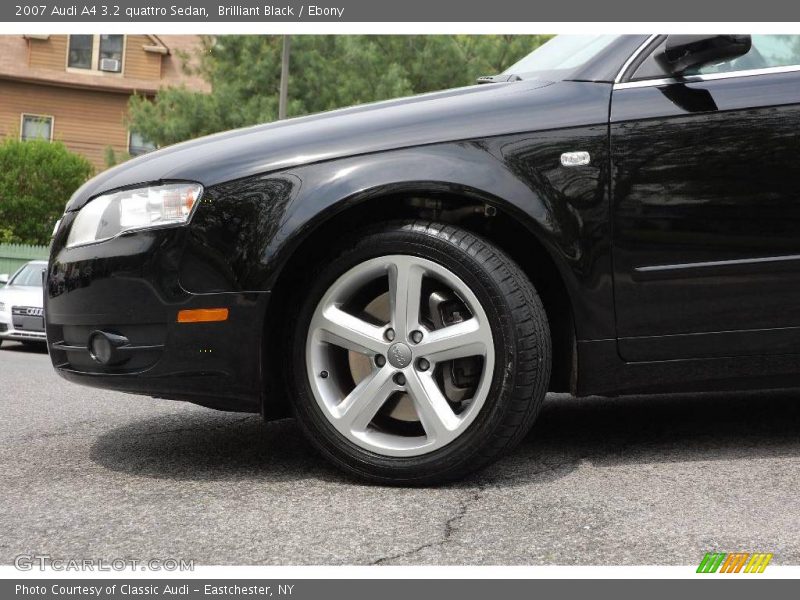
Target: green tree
{"x":36,"y":180}
{"x":327,"y":72}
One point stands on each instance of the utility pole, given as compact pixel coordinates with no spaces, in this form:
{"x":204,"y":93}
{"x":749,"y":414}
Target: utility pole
{"x":284,"y":92}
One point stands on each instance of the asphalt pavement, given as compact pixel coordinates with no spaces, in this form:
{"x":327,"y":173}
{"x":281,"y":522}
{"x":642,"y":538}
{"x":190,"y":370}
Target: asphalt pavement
{"x":639,"y":480}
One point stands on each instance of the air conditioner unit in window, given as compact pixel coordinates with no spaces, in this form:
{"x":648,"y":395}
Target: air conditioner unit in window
{"x":110,"y":64}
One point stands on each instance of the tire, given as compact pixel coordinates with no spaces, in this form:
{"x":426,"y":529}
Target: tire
{"x":478,"y":319}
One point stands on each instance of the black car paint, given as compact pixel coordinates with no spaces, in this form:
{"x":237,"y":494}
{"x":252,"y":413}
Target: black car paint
{"x":706,"y":216}
{"x":270,"y":188}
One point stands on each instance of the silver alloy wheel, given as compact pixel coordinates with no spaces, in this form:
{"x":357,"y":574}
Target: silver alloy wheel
{"x":401,"y":362}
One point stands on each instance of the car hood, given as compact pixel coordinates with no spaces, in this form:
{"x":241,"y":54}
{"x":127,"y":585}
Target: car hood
{"x":19,"y":295}
{"x":457,"y":114}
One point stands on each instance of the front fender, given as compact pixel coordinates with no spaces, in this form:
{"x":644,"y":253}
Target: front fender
{"x":245,"y":231}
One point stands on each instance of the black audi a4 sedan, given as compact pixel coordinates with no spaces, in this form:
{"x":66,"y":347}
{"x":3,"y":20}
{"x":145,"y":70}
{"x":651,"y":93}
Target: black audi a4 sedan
{"x":613,"y":214}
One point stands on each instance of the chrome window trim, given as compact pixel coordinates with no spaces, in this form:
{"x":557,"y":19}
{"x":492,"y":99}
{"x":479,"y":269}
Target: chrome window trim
{"x":634,"y":56}
{"x":709,"y":77}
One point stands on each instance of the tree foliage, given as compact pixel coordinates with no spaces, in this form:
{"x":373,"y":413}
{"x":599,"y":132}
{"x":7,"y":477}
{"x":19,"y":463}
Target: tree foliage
{"x":36,"y":179}
{"x":326,"y":72}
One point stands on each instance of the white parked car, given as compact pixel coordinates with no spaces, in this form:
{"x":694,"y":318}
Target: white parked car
{"x":21,"y":305}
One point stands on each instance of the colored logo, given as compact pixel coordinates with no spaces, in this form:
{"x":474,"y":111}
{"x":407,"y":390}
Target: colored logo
{"x":735,"y":562}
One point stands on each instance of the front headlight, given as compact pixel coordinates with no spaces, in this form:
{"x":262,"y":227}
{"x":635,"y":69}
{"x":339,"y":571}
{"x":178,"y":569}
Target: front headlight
{"x":141,"y":208}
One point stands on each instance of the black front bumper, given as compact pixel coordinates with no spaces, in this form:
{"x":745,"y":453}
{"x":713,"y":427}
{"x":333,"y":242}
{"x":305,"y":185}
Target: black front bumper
{"x":131,"y":286}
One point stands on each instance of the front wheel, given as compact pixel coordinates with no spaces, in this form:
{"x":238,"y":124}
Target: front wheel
{"x":420,"y":353}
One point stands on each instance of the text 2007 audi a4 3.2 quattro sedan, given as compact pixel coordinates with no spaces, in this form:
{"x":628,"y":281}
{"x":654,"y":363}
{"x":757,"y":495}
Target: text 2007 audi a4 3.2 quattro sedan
{"x":613,"y":214}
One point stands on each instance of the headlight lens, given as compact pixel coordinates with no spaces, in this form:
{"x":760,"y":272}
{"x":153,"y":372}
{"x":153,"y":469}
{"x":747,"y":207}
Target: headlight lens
{"x":2,"y":307}
{"x":142,"y":208}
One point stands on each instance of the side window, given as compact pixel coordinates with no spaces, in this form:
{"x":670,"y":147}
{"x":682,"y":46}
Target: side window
{"x":80,"y":51}
{"x":110,"y":58}
{"x":767,"y":51}
{"x":36,"y":127}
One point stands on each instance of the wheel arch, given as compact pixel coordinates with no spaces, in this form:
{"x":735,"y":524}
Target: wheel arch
{"x":483,"y":213}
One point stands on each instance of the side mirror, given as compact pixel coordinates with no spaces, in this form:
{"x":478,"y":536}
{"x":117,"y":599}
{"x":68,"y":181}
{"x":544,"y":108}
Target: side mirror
{"x":3,"y":278}
{"x":684,"y":51}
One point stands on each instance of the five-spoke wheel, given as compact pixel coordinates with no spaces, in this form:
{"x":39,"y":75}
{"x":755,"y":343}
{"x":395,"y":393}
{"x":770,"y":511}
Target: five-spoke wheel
{"x":410,"y":352}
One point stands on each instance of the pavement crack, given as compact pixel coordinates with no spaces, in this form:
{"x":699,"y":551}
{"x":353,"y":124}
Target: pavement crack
{"x":451,"y":527}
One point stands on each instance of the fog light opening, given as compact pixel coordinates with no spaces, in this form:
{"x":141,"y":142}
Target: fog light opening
{"x":103,"y":347}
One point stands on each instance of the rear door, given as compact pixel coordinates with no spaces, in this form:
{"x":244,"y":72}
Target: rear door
{"x":706,"y":207}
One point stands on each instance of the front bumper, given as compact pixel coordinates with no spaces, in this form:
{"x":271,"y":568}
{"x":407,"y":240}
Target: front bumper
{"x":21,"y":327}
{"x":130,"y":286}
{"x":8,"y":332}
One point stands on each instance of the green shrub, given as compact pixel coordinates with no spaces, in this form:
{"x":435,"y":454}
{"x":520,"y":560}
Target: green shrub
{"x":36,"y":180}
{"x":112,"y":158}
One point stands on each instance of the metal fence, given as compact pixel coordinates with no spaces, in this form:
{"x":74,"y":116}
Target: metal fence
{"x":13,"y":256}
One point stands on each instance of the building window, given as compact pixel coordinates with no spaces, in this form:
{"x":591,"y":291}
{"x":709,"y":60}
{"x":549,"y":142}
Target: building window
{"x":36,"y":127}
{"x":110,"y":53}
{"x":80,"y":51}
{"x":138,"y":144}
{"x":96,"y":53}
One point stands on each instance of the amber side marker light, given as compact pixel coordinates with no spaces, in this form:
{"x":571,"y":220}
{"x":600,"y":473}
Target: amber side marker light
{"x":202,"y":315}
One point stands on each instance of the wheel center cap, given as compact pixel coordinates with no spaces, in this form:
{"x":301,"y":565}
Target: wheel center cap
{"x":399,"y":355}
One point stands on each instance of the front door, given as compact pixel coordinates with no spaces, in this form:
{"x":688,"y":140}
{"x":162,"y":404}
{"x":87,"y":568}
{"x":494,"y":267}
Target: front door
{"x":706,"y":207}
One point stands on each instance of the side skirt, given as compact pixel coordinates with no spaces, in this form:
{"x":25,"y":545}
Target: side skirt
{"x":602,"y":371}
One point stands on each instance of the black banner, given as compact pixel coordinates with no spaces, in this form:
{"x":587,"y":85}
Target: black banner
{"x":395,"y":589}
{"x":198,"y":11}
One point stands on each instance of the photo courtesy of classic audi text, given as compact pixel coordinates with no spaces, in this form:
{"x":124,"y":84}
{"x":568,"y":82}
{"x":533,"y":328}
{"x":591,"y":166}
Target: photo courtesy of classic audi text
{"x":401,"y":300}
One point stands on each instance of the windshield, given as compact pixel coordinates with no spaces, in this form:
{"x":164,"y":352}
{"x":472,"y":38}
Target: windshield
{"x":561,"y":56}
{"x":29,"y":275}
